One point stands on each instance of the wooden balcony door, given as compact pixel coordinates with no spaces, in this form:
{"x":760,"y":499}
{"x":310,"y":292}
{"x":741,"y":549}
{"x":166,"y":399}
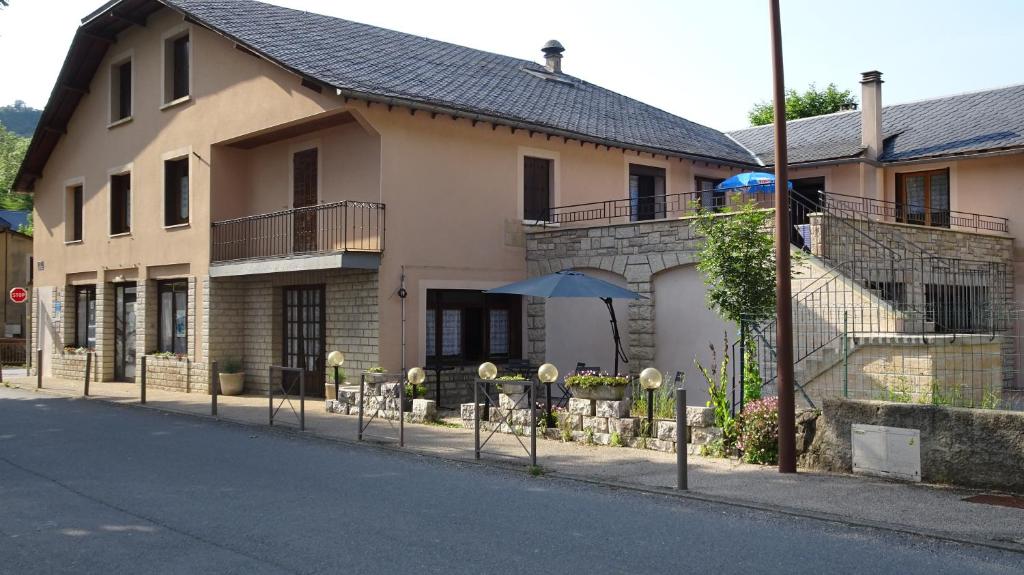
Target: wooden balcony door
{"x":922,"y":198}
{"x":304,"y":194}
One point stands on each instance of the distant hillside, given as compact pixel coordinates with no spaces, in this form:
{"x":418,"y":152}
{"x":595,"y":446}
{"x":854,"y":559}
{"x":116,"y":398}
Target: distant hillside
{"x":20,"y":118}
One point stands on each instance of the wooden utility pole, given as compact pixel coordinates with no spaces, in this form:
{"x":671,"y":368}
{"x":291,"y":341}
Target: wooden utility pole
{"x":783,"y":289}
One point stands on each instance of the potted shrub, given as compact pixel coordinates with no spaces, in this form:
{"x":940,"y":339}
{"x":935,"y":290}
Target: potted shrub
{"x":589,"y":385}
{"x":232,"y":378}
{"x":413,"y":392}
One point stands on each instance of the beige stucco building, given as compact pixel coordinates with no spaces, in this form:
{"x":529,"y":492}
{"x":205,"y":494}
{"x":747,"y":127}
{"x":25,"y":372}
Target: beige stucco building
{"x":211,"y":186}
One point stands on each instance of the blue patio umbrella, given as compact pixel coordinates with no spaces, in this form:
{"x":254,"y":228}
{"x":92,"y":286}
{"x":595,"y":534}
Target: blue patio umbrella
{"x":567,"y":283}
{"x":751,"y":182}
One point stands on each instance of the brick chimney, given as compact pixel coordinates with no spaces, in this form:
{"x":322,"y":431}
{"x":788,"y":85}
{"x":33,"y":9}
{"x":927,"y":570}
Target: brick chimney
{"x":553,"y":56}
{"x":871,"y":113}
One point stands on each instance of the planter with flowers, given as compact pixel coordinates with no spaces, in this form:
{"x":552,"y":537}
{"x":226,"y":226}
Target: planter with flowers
{"x":599,"y":386}
{"x":513,"y":390}
{"x":231,"y":377}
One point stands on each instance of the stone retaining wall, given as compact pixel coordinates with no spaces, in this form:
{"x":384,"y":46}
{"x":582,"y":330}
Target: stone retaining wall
{"x":968,"y":447}
{"x":599,"y":422}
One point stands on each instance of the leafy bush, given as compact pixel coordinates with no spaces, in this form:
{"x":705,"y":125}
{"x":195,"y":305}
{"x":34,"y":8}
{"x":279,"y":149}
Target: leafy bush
{"x":664,"y":401}
{"x":717,"y":379}
{"x":615,"y":440}
{"x":586,"y":380}
{"x":231,"y":366}
{"x":564,"y":422}
{"x":752,"y":382}
{"x":515,"y":377}
{"x":759,"y":431}
{"x":415,"y":391}
{"x":376,"y":369}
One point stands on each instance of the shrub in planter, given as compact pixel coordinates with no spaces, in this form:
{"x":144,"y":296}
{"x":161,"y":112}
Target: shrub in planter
{"x":759,"y":431}
{"x":231,"y":376}
{"x":589,"y":385}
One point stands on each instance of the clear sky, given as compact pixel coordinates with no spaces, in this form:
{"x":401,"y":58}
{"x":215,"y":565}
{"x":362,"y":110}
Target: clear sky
{"x":701,"y":59}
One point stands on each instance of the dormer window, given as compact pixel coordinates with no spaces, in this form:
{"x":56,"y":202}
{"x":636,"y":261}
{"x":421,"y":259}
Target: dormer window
{"x":121,"y":91}
{"x":176,"y":68}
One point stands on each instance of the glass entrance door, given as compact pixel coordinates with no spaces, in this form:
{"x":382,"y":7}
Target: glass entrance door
{"x":124,"y":332}
{"x":304,"y":337}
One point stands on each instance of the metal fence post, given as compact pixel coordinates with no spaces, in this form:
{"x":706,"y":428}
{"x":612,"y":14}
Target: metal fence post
{"x":39,"y":369}
{"x":681,"y":447}
{"x":533,"y":423}
{"x":302,"y":401}
{"x":476,"y":420}
{"x":362,"y":399}
{"x":142,"y":382}
{"x":846,"y":356}
{"x":401,"y":411}
{"x":88,"y":372}
{"x":270,"y":395}
{"x":214,"y":387}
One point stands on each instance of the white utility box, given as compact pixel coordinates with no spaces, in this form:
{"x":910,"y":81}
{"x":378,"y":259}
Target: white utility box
{"x":890,"y":452}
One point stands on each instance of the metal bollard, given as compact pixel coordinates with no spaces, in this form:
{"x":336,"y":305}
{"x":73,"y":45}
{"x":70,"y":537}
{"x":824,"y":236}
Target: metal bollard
{"x":88,"y":372}
{"x":270,"y":395}
{"x":302,"y":401}
{"x":337,"y":383}
{"x":476,"y":420}
{"x":533,"y":423}
{"x":214,"y":387}
{"x":142,"y":382}
{"x":681,"y":471}
{"x":362,"y":400}
{"x":39,"y":369}
{"x":401,"y":412}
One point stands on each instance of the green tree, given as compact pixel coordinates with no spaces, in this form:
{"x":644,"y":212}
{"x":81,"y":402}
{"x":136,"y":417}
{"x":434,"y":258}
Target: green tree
{"x":738,"y":261}
{"x":12,"y":152}
{"x":812,"y":102}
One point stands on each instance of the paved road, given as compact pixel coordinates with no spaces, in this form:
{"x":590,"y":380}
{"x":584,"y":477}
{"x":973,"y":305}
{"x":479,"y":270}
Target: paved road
{"x":89,"y":487}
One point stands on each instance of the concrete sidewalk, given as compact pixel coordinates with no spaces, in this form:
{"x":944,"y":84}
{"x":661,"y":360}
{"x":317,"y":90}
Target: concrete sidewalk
{"x":928,"y":510}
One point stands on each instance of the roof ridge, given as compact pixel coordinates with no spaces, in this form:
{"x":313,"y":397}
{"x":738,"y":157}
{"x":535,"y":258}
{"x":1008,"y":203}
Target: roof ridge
{"x":954,"y":95}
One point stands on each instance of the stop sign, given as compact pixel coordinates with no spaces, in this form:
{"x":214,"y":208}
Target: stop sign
{"x":19,"y":295}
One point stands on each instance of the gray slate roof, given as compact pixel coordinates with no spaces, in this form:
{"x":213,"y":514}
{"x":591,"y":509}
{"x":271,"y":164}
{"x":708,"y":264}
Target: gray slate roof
{"x":376,"y":61}
{"x":965,"y":123}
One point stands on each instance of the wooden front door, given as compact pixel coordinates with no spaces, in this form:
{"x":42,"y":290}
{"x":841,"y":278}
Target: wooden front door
{"x":304,"y":337}
{"x":304,"y":194}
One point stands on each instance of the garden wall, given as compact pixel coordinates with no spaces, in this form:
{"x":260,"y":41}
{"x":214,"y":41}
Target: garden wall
{"x":968,"y":447}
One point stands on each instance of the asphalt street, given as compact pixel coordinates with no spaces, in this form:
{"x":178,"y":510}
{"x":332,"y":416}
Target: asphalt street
{"x":90,"y":487}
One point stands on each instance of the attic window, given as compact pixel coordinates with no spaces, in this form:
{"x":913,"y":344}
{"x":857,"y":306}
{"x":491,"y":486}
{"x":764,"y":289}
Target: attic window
{"x":176,"y":67}
{"x":121,"y":90}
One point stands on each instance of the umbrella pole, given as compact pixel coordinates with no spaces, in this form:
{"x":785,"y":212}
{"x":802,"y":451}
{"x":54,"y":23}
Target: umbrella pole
{"x":615,"y":335}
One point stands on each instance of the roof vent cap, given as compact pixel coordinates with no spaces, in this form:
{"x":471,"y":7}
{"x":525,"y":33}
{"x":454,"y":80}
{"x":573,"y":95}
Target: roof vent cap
{"x":553,"y":56}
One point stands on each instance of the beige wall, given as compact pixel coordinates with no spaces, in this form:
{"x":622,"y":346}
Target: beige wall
{"x":685,"y":328}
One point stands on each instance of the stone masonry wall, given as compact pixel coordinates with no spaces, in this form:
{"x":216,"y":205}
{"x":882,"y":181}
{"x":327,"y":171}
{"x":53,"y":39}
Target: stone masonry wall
{"x":969,"y":447}
{"x":636,"y":251}
{"x":243,"y":320}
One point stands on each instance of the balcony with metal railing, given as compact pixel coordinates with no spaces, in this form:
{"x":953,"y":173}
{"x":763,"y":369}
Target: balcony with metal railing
{"x":334,"y":235}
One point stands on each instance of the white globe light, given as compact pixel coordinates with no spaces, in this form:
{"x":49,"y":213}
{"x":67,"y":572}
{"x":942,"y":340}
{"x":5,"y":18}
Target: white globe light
{"x":416,"y":375}
{"x":547,"y":373}
{"x":487,"y":370}
{"x":335,"y":358}
{"x":650,"y":378}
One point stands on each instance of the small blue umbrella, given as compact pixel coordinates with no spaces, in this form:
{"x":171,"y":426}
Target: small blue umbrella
{"x":751,"y":182}
{"x":569,"y":283}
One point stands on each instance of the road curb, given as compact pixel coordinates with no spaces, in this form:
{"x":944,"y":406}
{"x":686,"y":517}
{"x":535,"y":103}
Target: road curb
{"x":524,"y":469}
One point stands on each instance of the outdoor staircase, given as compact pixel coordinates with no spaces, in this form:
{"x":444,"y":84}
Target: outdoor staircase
{"x":864,"y":282}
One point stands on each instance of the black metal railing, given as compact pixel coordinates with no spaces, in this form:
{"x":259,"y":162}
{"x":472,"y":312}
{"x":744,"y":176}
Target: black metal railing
{"x":919,"y":215}
{"x":661,"y":207}
{"x":626,"y":210}
{"x":873,"y":280}
{"x":345,"y":226}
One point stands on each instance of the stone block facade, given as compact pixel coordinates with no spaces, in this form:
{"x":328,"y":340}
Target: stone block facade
{"x":246,"y":320}
{"x":636,"y":251}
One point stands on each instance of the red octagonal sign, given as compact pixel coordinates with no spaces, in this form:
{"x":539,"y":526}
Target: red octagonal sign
{"x":19,"y":295}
